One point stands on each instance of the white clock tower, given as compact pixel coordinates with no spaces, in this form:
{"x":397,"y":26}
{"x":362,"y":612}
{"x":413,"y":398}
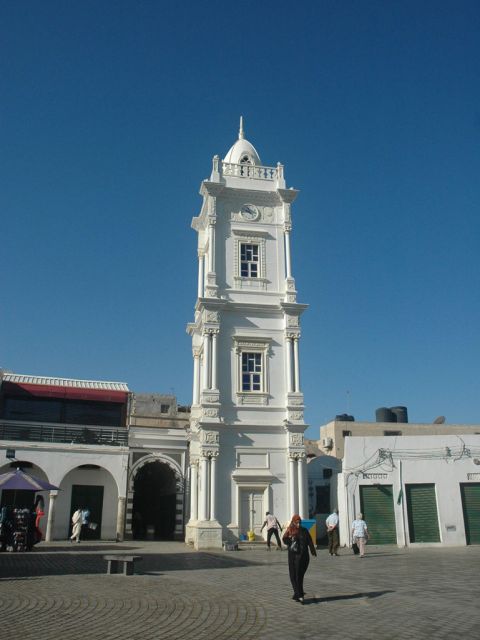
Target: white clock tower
{"x":247,"y":451}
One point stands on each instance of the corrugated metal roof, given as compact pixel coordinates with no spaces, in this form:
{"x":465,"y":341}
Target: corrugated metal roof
{"x":65,"y":382}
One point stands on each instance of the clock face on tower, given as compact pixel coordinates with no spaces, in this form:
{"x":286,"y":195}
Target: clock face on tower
{"x":249,"y":212}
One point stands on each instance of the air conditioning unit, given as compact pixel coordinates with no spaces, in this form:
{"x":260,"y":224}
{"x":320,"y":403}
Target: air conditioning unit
{"x":327,"y":443}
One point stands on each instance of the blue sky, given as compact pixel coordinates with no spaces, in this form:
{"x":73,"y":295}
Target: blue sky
{"x":110,"y":115}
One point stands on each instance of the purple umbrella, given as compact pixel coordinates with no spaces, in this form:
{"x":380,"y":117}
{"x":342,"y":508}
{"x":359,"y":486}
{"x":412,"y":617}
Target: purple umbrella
{"x":18,"y":480}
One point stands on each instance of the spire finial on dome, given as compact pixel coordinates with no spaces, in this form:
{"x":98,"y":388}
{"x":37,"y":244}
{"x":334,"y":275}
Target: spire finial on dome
{"x":241,"y":135}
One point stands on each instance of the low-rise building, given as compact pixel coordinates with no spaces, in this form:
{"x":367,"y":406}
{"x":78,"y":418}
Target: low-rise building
{"x":157,"y":467}
{"x":412,"y":490}
{"x":333,"y":434}
{"x":121,"y":455}
{"x":322,"y":473}
{"x":74,"y":434}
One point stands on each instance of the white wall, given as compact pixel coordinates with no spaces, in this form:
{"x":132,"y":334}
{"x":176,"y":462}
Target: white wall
{"x":59,"y":465}
{"x":416,"y":460}
{"x":267,"y":468}
{"x":99,"y":477}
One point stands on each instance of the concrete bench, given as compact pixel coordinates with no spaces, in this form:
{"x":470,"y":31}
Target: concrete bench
{"x":127,"y":563}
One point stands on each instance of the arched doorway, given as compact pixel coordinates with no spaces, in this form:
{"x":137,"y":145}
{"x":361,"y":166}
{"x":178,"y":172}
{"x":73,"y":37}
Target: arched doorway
{"x":154,"y":502}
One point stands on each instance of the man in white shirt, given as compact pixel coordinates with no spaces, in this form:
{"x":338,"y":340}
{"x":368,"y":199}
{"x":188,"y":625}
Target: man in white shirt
{"x":360,"y":533}
{"x":273,"y":526}
{"x":332,"y":532}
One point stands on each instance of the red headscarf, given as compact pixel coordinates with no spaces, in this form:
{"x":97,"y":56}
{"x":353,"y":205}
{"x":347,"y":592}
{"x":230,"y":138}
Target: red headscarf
{"x":292,"y":530}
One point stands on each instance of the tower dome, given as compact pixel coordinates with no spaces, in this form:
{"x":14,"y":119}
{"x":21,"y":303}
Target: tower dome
{"x":242,"y":152}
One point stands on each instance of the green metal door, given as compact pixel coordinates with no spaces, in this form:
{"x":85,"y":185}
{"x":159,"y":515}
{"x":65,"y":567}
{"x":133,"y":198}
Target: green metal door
{"x":471,"y":511}
{"x":422,"y":513}
{"x":376,"y":503}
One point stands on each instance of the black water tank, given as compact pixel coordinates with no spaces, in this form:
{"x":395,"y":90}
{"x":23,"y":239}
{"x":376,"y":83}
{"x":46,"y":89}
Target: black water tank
{"x":383,"y":414}
{"x":401,"y":413}
{"x":345,"y":417}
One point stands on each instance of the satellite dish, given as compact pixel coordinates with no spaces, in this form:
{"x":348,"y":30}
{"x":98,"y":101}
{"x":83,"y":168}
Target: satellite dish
{"x":439,"y":420}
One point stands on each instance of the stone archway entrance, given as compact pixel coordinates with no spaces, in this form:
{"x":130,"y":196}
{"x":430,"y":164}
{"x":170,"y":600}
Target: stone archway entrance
{"x":154,"y":508}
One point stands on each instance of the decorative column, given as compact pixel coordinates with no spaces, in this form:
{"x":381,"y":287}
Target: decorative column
{"x":203,"y":502}
{"x":196,"y":376}
{"x":201,"y":272}
{"x":296,"y":363}
{"x":51,"y":516}
{"x":288,"y":363}
{"x":194,"y":490}
{"x":206,"y":361}
{"x":121,"y":518}
{"x":288,"y":263}
{"x":291,"y":484}
{"x":301,"y":486}
{"x":211,"y":246}
{"x":214,"y":360}
{"x":213,"y":476}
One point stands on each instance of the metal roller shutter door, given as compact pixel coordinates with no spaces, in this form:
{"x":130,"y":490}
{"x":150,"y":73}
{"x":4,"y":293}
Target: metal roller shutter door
{"x":376,"y":503}
{"x":422,"y":513}
{"x":471,"y":511}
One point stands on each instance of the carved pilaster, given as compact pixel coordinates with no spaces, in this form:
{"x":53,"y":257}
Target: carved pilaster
{"x":296,"y":440}
{"x":211,"y":413}
{"x":210,"y":444}
{"x":295,"y":415}
{"x":292,"y":321}
{"x":210,"y":453}
{"x":296,"y":455}
{"x":211,"y":287}
{"x":291,"y":291}
{"x":209,"y":437}
{"x":292,"y":333}
{"x":210,"y":316}
{"x":194,"y":460}
{"x":216,"y":169}
{"x":211,"y":396}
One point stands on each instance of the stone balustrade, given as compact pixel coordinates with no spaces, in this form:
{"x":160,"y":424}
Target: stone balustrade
{"x":252,"y":171}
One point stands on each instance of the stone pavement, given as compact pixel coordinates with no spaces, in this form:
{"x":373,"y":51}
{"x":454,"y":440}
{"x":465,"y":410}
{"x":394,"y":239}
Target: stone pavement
{"x":62,"y":591}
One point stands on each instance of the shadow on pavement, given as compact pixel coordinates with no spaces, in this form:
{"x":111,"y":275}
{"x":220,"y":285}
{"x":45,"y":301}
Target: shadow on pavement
{"x":352,"y":596}
{"x":86,"y":548}
{"x":26,"y":565}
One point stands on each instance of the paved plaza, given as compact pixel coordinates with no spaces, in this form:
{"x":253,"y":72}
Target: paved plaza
{"x":62,"y":591}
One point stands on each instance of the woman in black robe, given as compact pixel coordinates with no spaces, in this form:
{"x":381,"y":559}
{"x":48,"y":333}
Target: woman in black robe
{"x":299,"y":542}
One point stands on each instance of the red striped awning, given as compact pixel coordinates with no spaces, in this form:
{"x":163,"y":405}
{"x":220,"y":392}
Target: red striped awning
{"x":71,"y":393}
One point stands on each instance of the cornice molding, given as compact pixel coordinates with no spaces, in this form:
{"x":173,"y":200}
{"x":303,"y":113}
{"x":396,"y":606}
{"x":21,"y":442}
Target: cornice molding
{"x":287,"y":195}
{"x":211,"y":188}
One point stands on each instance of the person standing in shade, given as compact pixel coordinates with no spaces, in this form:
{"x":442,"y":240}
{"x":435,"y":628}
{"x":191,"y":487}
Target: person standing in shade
{"x":39,"y":509}
{"x":299,"y":542}
{"x":360,"y":533}
{"x":85,"y":521}
{"x":77,"y":521}
{"x":332,"y":533}
{"x":273,"y":526}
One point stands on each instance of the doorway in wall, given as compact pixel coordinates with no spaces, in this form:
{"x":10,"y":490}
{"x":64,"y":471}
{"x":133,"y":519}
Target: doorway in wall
{"x":154,"y":502}
{"x":89,"y":497}
{"x":251,"y":511}
{"x":422,"y":513}
{"x":376,"y":504}
{"x":471,"y":511}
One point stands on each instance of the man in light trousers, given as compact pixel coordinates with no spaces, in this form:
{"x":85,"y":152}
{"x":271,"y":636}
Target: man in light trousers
{"x":360,"y":533}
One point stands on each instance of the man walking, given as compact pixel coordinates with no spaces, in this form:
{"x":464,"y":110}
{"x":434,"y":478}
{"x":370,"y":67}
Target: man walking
{"x":360,"y":533}
{"x":273,"y":526}
{"x":76,"y":525}
{"x":332,"y":533}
